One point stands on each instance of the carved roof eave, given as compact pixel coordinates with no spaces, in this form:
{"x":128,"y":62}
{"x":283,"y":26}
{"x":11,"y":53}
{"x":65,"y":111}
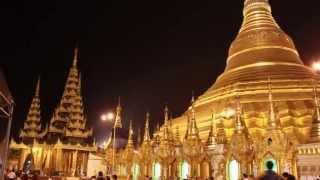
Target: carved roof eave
{"x":56,"y":130}
{"x":90,"y":148}
{"x":78,"y":133}
{"x":14,"y":145}
{"x":309,"y":149}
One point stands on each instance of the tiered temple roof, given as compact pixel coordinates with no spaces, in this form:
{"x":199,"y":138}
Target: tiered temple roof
{"x":68,"y":119}
{"x":32,"y":125}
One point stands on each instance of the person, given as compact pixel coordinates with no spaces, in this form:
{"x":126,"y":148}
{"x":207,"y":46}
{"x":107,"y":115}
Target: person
{"x":288,"y":176}
{"x":129,"y":177}
{"x":100,"y":176}
{"x":114,"y":177}
{"x":245,"y":176}
{"x":11,"y":175}
{"x":269,"y":173}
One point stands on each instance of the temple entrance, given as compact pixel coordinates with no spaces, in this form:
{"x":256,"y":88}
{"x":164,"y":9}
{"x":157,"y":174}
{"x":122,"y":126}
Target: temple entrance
{"x":28,"y":163}
{"x":135,"y":170}
{"x":184,"y":170}
{"x":234,"y":170}
{"x":156,"y":170}
{"x":275,"y":166}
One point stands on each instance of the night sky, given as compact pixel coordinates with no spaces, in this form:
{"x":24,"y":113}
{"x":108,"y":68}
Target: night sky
{"x":150,"y":53}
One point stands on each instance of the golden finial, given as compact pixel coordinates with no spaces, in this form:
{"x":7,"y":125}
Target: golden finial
{"x":75,"y":57}
{"x":38,"y":88}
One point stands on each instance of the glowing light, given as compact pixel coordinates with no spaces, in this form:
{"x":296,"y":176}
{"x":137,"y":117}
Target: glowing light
{"x":316,"y":66}
{"x":107,"y":117}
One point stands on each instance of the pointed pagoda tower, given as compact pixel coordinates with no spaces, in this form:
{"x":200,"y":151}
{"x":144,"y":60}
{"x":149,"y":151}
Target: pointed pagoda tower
{"x":68,"y":121}
{"x":32,"y":125}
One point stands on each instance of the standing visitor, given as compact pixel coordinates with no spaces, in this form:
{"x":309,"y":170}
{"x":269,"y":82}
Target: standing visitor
{"x":270,"y":174}
{"x":114,"y":177}
{"x":100,"y":176}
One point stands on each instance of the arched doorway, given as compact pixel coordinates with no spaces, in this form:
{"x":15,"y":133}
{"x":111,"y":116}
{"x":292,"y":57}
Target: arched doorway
{"x":234,"y":170}
{"x":28,"y":163}
{"x":156,"y":170}
{"x":184,"y":170}
{"x":135,"y":170}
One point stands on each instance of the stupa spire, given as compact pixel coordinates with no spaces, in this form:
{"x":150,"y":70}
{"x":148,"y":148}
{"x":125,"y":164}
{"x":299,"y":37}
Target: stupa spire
{"x":146,"y":136}
{"x":118,"y":123}
{"x":130,"y":137}
{"x":192,"y":129}
{"x":272,"y":121}
{"x":315,"y":127}
{"x":166,"y":133}
{"x":32,"y":124}
{"x":238,"y":120}
{"x":212,"y":140}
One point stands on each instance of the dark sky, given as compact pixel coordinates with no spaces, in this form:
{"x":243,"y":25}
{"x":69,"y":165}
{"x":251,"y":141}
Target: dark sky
{"x":148,"y":52}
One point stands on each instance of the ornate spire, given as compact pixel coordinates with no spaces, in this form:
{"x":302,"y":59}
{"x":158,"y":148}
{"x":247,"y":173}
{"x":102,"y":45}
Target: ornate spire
{"x":192,"y":129}
{"x":130,"y":137}
{"x":166,"y":116}
{"x":221,"y":134}
{"x":212,"y":140}
{"x":146,"y":136}
{"x":166,"y":132}
{"x":272,"y":122}
{"x":238,"y":121}
{"x":118,"y":123}
{"x":32,"y":124}
{"x":315,"y":127}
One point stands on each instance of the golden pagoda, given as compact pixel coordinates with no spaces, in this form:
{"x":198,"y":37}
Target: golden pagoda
{"x":272,"y":121}
{"x":63,"y":147}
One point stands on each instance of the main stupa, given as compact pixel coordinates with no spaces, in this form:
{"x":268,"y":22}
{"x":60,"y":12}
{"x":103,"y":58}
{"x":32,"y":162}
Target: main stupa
{"x":261,"y":50}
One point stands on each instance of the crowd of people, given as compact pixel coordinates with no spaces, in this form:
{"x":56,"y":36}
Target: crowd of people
{"x":20,"y":175}
{"x":268,"y":175}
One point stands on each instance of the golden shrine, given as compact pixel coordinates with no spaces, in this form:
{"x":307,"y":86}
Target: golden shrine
{"x":63,"y":146}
